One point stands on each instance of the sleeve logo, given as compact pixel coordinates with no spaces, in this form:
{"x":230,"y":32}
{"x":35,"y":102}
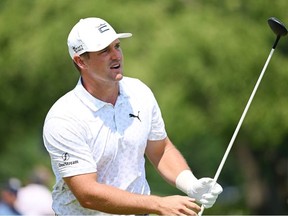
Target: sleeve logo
{"x":65,"y":157}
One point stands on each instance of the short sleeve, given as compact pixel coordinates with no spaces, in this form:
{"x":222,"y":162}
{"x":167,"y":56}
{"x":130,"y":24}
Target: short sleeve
{"x":157,"y":131}
{"x":66,"y":142}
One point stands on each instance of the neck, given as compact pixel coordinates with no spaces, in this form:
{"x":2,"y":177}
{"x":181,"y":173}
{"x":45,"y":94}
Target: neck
{"x":106,"y":92}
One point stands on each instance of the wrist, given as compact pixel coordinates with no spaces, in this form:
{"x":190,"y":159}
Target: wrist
{"x":184,"y":181}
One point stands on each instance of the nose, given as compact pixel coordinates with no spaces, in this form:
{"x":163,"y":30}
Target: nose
{"x":116,"y":54}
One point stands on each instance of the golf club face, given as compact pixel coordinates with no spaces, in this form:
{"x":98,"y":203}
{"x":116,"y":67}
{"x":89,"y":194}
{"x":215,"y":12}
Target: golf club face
{"x":277,"y":27}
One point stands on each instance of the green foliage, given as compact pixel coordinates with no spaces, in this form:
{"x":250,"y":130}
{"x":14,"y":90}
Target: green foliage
{"x":201,"y":59}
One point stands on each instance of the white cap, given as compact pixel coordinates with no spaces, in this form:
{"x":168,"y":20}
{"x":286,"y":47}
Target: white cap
{"x":92,"y":35}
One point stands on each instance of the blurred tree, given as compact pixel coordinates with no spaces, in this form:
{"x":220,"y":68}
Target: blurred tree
{"x":201,"y":59}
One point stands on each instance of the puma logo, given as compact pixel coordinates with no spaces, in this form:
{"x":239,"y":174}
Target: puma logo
{"x":134,"y":116}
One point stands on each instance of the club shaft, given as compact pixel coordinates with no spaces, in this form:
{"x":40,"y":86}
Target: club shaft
{"x":240,"y":123}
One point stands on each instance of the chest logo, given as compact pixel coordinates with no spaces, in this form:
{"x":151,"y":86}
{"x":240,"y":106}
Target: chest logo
{"x":135,"y":116}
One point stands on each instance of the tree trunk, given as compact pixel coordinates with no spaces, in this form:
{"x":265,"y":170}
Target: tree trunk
{"x":254,"y":186}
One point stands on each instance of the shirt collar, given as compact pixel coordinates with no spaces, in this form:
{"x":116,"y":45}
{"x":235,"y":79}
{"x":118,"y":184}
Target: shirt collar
{"x":93,"y":103}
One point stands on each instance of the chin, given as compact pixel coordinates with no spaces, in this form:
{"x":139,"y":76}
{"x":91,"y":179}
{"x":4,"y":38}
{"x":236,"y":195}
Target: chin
{"x":119,"y":77}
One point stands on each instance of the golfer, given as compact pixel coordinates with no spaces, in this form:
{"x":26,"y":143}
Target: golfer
{"x":98,"y":134}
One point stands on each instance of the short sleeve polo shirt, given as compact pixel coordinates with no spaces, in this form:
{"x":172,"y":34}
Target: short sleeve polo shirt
{"x":84,"y":135}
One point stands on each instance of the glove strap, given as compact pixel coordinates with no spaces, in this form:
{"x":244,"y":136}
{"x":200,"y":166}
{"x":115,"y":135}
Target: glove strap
{"x":184,"y":180}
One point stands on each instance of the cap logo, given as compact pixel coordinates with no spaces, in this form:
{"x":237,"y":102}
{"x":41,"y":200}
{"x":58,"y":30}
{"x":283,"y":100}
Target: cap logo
{"x":77,"y":48}
{"x":103,"y":27}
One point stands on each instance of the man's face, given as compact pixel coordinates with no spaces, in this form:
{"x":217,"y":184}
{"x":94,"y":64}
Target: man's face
{"x":105,"y":65}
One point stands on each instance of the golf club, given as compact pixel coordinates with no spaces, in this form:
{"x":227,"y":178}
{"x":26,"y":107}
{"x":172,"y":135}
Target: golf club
{"x":280,"y":30}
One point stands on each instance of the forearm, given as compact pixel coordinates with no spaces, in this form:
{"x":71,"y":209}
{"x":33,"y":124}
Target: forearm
{"x":171,"y":164}
{"x":167,"y":159}
{"x":115,"y":201}
{"x":108,"y":199}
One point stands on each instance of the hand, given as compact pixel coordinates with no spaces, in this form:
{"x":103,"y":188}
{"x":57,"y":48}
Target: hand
{"x":177,"y":205}
{"x":205,"y":191}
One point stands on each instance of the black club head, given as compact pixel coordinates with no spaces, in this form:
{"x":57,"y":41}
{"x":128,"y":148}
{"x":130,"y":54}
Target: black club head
{"x":277,"y":27}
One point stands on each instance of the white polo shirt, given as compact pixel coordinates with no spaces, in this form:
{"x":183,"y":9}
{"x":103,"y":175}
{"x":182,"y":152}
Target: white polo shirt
{"x":84,"y":135}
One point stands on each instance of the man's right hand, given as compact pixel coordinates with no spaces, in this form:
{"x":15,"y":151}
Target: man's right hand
{"x":177,"y":205}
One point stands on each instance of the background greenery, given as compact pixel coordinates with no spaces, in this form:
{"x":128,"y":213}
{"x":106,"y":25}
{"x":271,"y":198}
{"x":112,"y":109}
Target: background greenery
{"x":201,"y":59}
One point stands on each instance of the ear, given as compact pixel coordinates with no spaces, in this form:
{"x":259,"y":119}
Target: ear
{"x":79,"y":61}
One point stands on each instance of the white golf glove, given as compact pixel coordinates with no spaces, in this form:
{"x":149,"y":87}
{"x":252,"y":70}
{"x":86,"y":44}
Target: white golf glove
{"x":204,"y":190}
